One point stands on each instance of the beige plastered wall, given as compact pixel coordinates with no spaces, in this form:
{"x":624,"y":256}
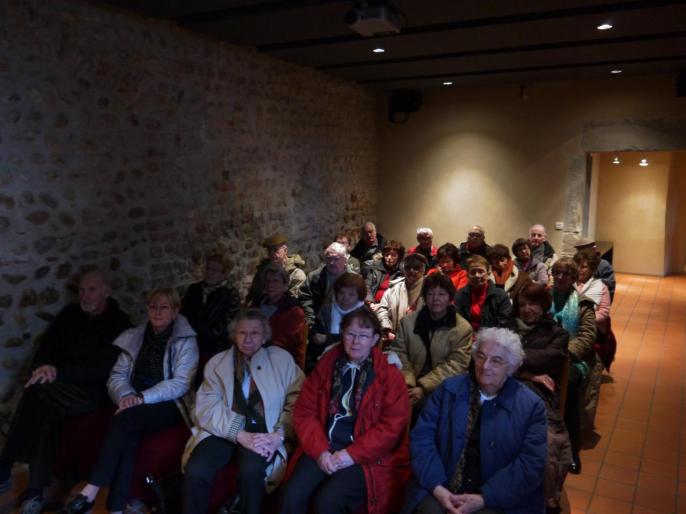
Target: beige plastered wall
{"x":485,"y":155}
{"x":632,"y":207}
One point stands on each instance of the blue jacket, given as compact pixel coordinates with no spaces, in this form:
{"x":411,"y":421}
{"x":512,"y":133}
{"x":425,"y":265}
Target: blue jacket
{"x":513,"y":445}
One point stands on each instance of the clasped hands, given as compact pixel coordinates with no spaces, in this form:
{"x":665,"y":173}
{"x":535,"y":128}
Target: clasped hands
{"x":263,"y":444}
{"x":329,"y":462}
{"x":130,"y":400}
{"x":458,"y":503}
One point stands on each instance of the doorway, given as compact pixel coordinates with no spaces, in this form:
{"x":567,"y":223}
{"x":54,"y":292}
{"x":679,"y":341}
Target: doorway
{"x":638,"y":206}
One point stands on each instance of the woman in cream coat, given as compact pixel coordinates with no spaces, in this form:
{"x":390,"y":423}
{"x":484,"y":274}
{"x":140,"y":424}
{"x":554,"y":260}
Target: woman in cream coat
{"x":243,"y":411}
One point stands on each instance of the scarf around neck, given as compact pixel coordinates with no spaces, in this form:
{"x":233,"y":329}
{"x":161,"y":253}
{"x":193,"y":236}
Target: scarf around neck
{"x":567,"y":313}
{"x":337,"y":314}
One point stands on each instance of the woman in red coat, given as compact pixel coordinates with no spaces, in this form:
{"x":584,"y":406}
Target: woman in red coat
{"x":286,"y":316}
{"x":351,"y":420}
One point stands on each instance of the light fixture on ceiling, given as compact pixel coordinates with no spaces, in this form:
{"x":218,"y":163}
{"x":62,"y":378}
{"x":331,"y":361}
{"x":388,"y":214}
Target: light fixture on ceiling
{"x":379,"y":50}
{"x":616,"y":72}
{"x":644,"y":162}
{"x":616,"y":160}
{"x":447,"y":83}
{"x":604,"y":26}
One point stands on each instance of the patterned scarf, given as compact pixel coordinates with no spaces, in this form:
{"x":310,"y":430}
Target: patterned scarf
{"x":565,"y":310}
{"x":472,"y":416}
{"x":252,"y":406}
{"x":339,"y":367}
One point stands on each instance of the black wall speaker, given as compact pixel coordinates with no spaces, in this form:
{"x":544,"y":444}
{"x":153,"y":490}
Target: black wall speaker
{"x":402,"y":103}
{"x":681,"y":84}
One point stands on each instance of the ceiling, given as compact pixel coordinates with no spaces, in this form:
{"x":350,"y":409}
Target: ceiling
{"x":465,"y":42}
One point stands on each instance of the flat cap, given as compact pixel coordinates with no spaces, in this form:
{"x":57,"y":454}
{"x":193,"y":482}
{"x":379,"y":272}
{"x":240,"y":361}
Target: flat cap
{"x":584,"y":242}
{"x":277,"y":239}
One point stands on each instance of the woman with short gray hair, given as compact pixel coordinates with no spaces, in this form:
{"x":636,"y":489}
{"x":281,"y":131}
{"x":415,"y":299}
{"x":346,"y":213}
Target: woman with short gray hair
{"x":479,"y":445}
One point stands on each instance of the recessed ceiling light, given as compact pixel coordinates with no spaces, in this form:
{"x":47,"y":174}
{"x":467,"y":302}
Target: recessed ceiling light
{"x":604,"y":26}
{"x":447,"y":83}
{"x":644,"y":162}
{"x":615,"y":72}
{"x":379,"y":50}
{"x":616,"y":160}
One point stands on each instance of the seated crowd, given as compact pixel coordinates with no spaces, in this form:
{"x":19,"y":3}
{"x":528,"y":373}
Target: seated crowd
{"x":460,"y":379}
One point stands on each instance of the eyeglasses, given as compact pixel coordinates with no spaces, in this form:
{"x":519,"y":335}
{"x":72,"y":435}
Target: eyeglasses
{"x":496,"y":361}
{"x":362,"y":338}
{"x":475,"y":234}
{"x":158,"y":308}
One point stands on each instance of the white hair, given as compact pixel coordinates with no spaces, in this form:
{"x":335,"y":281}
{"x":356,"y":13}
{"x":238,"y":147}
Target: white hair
{"x":371,"y":224}
{"x":336,"y":248}
{"x":508,"y":341}
{"x":425,"y":230}
{"x":479,"y":227}
{"x":538,"y":226}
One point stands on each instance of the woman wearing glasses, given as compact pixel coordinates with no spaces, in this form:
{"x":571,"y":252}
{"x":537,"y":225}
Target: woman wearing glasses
{"x":148,"y":383}
{"x":479,"y":445}
{"x":351,"y":420}
{"x":576,"y":314}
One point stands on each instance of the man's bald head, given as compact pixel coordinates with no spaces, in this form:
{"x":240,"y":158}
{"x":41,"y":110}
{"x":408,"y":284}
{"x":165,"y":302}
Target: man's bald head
{"x":94,"y":289}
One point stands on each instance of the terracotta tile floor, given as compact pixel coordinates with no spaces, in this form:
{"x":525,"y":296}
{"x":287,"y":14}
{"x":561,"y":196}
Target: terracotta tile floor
{"x":639,"y":464}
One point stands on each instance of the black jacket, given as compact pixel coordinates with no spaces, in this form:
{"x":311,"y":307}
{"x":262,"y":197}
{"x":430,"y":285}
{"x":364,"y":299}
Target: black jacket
{"x":545,"y":349}
{"x":465,"y":253}
{"x":211,"y":319}
{"x":497,"y":310}
{"x":365,"y":254}
{"x":80,"y":346}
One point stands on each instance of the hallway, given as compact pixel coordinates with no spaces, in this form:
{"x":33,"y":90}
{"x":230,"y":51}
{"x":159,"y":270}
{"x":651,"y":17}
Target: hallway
{"x":639,"y":464}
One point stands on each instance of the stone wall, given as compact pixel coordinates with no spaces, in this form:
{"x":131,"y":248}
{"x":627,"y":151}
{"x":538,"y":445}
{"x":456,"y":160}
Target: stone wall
{"x":134,"y":146}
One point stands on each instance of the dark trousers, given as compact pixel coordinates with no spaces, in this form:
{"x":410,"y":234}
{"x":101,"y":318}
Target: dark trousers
{"x":118,"y":452}
{"x":207,"y":459}
{"x":38,"y":423}
{"x":430,"y":505}
{"x":343,"y":492}
{"x":575,"y":389}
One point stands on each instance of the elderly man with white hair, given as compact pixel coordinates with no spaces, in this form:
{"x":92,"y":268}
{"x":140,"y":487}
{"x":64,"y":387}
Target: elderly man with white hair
{"x":425,"y":247}
{"x":541,"y":249}
{"x":318,"y":288}
{"x":479,"y":445}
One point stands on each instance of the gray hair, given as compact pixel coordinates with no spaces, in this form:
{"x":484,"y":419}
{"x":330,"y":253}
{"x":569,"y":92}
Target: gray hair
{"x":250,"y":315}
{"x":539,"y":226}
{"x":508,"y":341}
{"x":479,"y":228}
{"x":425,"y":230}
{"x":370,"y":223}
{"x":336,"y":248}
{"x":97,"y":274}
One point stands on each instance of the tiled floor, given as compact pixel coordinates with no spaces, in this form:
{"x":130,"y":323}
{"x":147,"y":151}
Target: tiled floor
{"x":639,"y":464}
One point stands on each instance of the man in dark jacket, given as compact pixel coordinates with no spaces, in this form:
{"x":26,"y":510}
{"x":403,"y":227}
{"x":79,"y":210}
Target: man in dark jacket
{"x":318,"y":288}
{"x":210,"y":305}
{"x":474,"y":245}
{"x":68,"y":378}
{"x":541,"y":249}
{"x":368,"y":248}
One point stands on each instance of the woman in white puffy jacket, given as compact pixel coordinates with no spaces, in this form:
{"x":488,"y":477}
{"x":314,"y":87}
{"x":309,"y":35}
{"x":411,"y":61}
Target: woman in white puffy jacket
{"x":243,"y":412}
{"x":148,"y":383}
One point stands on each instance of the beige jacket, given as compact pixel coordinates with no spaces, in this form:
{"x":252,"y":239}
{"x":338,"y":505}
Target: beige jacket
{"x":450,"y":352}
{"x":278,"y":379}
{"x":394,"y":304}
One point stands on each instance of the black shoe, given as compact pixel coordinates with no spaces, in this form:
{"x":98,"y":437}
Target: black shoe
{"x":230,"y":507}
{"x":77,"y":505}
{"x":575,"y":465}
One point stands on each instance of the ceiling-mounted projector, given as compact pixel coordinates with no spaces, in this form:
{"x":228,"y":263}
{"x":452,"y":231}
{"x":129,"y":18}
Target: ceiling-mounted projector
{"x":373,"y":20}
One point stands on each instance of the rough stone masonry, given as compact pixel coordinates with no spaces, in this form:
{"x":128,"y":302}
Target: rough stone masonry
{"x":137,"y":147}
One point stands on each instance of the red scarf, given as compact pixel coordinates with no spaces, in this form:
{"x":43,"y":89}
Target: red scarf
{"x":478,"y":297}
{"x":501,"y":278}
